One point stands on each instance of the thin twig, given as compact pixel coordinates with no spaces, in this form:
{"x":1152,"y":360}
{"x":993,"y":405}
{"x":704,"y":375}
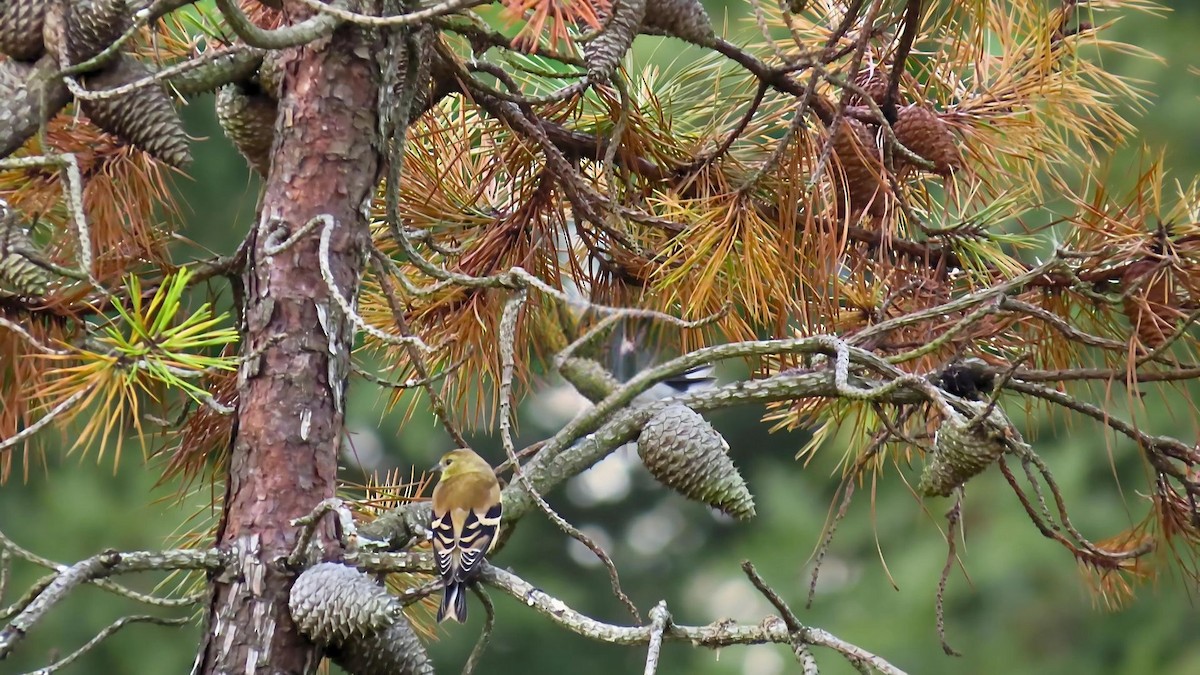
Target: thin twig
{"x":507,"y":336}
{"x":484,"y":636}
{"x":440,"y":409}
{"x":62,"y":407}
{"x":799,"y":632}
{"x":659,"y":617}
{"x":410,"y":383}
{"x":348,"y":536}
{"x":95,"y":568}
{"x":847,"y":487}
{"x":336,"y":294}
{"x":715,"y":635}
{"x":105,"y":634}
{"x":912,"y":23}
{"x":953,"y":519}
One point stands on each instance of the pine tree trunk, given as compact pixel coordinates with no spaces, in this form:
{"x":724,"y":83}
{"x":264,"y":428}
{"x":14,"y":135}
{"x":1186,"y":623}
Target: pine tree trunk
{"x":291,"y":396}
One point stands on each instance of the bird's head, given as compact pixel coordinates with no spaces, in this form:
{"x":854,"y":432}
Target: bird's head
{"x":461,"y":461}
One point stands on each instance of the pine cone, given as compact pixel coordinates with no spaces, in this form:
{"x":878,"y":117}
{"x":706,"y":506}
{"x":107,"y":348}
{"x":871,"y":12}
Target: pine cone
{"x":19,"y":276}
{"x":961,"y":453}
{"x":333,"y":603}
{"x":54,"y":27}
{"x":858,"y":156}
{"x":270,"y":74}
{"x":1152,"y":308}
{"x":93,"y":25}
{"x":874,"y":83}
{"x":248,"y":119}
{"x":395,"y":650}
{"x":144,"y":118}
{"x":21,"y":28}
{"x":684,"y":19}
{"x":923,"y":132}
{"x":603,"y":53}
{"x":682,"y":451}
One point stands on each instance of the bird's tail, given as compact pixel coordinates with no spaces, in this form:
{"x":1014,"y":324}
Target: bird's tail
{"x":454,"y":603}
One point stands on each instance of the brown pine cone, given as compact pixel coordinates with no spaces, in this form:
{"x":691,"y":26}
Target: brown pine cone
{"x":922,"y":131}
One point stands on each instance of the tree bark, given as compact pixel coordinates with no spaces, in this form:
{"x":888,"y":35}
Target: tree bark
{"x":291,"y":394}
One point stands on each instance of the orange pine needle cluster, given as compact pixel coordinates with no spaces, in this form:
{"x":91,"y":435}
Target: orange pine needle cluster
{"x":560,"y":15}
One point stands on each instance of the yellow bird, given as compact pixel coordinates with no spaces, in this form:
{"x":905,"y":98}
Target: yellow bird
{"x":466,"y":516}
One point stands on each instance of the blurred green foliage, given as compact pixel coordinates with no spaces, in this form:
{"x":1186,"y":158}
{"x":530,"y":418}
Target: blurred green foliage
{"x":1024,"y":608}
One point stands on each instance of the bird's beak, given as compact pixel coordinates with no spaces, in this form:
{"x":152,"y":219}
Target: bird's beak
{"x":436,"y":468}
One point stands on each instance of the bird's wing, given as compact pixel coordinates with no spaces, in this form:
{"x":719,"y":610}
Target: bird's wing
{"x":478,"y":530}
{"x":443,"y":543}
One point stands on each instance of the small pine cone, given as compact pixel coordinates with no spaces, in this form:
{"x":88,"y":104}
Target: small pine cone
{"x":682,"y":451}
{"x":93,"y":25}
{"x":333,"y":603}
{"x":1152,"y":308}
{"x":54,"y":27}
{"x":684,"y":19}
{"x":875,"y":84}
{"x":145,"y":118}
{"x":270,"y":74}
{"x":922,"y":131}
{"x":248,"y":118}
{"x":856,"y":153}
{"x":395,"y":650}
{"x":961,"y":453}
{"x":589,"y":378}
{"x":603,"y":53}
{"x":21,"y":28}
{"x":19,"y":276}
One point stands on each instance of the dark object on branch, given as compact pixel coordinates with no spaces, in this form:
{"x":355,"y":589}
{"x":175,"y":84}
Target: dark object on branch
{"x":247,"y":116}
{"x":363,"y":626}
{"x":970,"y":378}
{"x":21,"y":28}
{"x":964,"y":448}
{"x":683,"y":451}
{"x":144,"y":118}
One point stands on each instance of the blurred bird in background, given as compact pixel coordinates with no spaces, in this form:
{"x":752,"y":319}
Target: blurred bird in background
{"x":629,"y":355}
{"x":466,"y":516}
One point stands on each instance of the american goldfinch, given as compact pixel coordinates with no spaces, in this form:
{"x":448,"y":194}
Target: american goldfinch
{"x":466,"y":515}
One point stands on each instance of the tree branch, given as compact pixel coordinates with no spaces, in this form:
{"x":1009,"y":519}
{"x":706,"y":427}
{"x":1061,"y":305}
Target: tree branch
{"x":98,"y":567}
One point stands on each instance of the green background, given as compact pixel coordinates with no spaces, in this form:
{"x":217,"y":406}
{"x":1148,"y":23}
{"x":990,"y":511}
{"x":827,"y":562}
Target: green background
{"x":1024,"y":608}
